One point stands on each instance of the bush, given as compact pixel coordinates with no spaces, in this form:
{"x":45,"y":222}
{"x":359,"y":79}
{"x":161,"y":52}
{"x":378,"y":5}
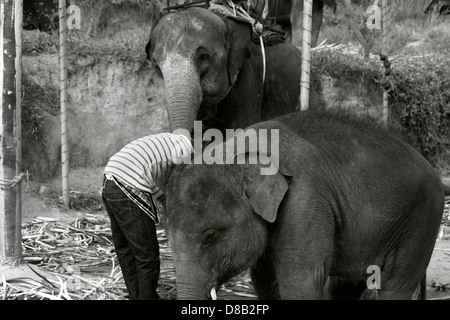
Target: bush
{"x":344,"y":64}
{"x":118,"y":29}
{"x":420,"y":102}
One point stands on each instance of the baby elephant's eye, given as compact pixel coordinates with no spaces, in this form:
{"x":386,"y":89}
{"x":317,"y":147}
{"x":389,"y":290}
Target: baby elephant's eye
{"x":210,"y":237}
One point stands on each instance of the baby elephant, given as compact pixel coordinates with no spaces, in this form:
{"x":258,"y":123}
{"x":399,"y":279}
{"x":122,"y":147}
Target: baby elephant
{"x":348,"y":198}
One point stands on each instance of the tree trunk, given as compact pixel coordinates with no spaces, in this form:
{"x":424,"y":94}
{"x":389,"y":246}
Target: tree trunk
{"x":10,"y":217}
{"x":18,"y":33}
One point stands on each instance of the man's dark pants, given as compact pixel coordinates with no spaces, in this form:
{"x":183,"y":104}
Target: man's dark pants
{"x":135,"y":242}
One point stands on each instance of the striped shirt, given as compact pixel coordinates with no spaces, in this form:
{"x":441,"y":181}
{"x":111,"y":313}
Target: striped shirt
{"x":142,"y":166}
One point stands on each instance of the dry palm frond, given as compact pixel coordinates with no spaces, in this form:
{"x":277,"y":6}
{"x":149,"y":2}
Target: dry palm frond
{"x":75,"y":261}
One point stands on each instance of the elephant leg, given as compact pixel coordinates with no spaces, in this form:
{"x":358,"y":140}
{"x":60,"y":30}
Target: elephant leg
{"x":395,"y":294}
{"x":264,"y":280}
{"x":398,"y":285}
{"x":302,"y":282}
{"x":340,"y":288}
{"x":304,"y":244}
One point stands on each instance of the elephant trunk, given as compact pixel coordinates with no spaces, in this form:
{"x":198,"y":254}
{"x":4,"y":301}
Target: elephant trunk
{"x":190,"y":285}
{"x":183,"y":93}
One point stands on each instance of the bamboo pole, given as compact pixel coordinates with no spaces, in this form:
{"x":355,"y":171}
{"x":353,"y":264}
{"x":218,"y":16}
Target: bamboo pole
{"x":386,"y":22}
{"x":10,"y":223}
{"x":18,"y":33}
{"x":306,"y":55}
{"x":63,"y":100}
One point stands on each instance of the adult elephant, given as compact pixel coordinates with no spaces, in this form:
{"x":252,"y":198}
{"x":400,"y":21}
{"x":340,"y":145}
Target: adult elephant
{"x":347,"y":196}
{"x":211,"y":68}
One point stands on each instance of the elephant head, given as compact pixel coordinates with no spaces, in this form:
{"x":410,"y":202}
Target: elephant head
{"x":199,"y":55}
{"x":217,"y":222}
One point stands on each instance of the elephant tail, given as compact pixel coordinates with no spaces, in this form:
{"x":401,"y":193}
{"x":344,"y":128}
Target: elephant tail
{"x":421,"y":291}
{"x":423,"y":288}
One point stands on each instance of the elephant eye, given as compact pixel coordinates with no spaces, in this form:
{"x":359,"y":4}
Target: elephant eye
{"x":203,"y":61}
{"x":202,"y":55}
{"x":210,"y":237}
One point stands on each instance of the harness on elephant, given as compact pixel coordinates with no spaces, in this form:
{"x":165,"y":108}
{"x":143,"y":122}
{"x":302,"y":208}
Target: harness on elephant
{"x":253,"y":11}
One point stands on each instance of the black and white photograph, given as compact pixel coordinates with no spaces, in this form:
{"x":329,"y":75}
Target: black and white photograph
{"x":229,"y":150}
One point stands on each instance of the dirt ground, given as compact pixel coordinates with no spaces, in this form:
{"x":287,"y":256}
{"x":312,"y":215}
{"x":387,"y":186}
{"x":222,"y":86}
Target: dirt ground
{"x":89,"y":180}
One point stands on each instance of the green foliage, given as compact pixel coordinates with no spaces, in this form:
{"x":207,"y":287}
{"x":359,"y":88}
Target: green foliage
{"x":104,"y":33}
{"x":346,"y":66}
{"x":408,"y":9}
{"x":35,"y":43}
{"x":124,"y":46}
{"x":420,"y":101}
{"x":409,"y":24}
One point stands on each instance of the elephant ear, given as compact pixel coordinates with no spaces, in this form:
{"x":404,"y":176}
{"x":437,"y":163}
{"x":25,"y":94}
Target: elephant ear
{"x":238,"y":41}
{"x":156,"y":15}
{"x":266,"y":192}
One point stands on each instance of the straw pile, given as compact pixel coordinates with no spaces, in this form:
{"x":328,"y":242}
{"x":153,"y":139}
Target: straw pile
{"x":444,"y":232}
{"x":76,"y":261}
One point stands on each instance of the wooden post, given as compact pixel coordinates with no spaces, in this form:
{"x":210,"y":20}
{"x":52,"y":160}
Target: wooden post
{"x":19,"y":169}
{"x":10,"y":220}
{"x":386,"y":22}
{"x":63,"y":100}
{"x":306,"y":55}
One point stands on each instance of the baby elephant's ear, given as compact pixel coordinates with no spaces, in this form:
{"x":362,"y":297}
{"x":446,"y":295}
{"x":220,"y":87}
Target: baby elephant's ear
{"x":265,"y":193}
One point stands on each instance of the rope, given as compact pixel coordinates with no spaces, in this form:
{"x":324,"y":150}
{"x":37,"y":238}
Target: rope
{"x":264,"y":57}
{"x":226,"y":8}
{"x":236,"y":9}
{"x":14,"y":183}
{"x":219,"y":7}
